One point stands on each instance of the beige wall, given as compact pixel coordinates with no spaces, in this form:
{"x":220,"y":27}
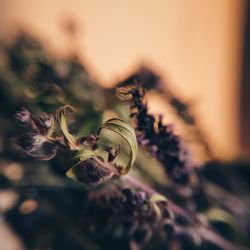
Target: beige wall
{"x":195,"y":44}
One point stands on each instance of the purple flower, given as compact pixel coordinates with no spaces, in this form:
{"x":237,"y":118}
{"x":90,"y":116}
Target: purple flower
{"x":158,"y":138}
{"x":37,"y":143}
{"x":37,"y":146}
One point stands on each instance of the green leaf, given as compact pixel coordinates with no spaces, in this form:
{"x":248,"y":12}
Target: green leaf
{"x":61,"y":117}
{"x":124,"y":129}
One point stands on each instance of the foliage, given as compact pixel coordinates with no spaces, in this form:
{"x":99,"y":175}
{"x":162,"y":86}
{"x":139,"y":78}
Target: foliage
{"x":76,"y":186}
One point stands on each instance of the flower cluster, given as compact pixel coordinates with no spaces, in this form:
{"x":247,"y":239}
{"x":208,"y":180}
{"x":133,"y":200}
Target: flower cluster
{"x":128,"y":216}
{"x":108,"y":206}
{"x":160,"y":139}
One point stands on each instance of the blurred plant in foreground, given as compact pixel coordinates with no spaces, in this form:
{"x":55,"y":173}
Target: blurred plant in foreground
{"x":84,"y":183}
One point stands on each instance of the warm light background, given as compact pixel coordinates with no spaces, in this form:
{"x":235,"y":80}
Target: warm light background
{"x":194,"y":44}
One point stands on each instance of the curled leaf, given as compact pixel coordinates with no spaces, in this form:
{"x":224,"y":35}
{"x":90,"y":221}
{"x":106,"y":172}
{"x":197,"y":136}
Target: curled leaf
{"x":123,"y":128}
{"x":157,"y":198}
{"x":154,"y":199}
{"x":61,"y":117}
{"x":222,"y":216}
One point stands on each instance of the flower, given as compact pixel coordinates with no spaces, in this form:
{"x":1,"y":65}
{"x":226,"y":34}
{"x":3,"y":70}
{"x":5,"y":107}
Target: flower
{"x":37,"y":146}
{"x":37,"y":143}
{"x":159,"y":139}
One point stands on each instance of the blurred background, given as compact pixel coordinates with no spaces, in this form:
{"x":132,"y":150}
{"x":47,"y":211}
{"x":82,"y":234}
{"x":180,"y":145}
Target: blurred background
{"x":198,"y":47}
